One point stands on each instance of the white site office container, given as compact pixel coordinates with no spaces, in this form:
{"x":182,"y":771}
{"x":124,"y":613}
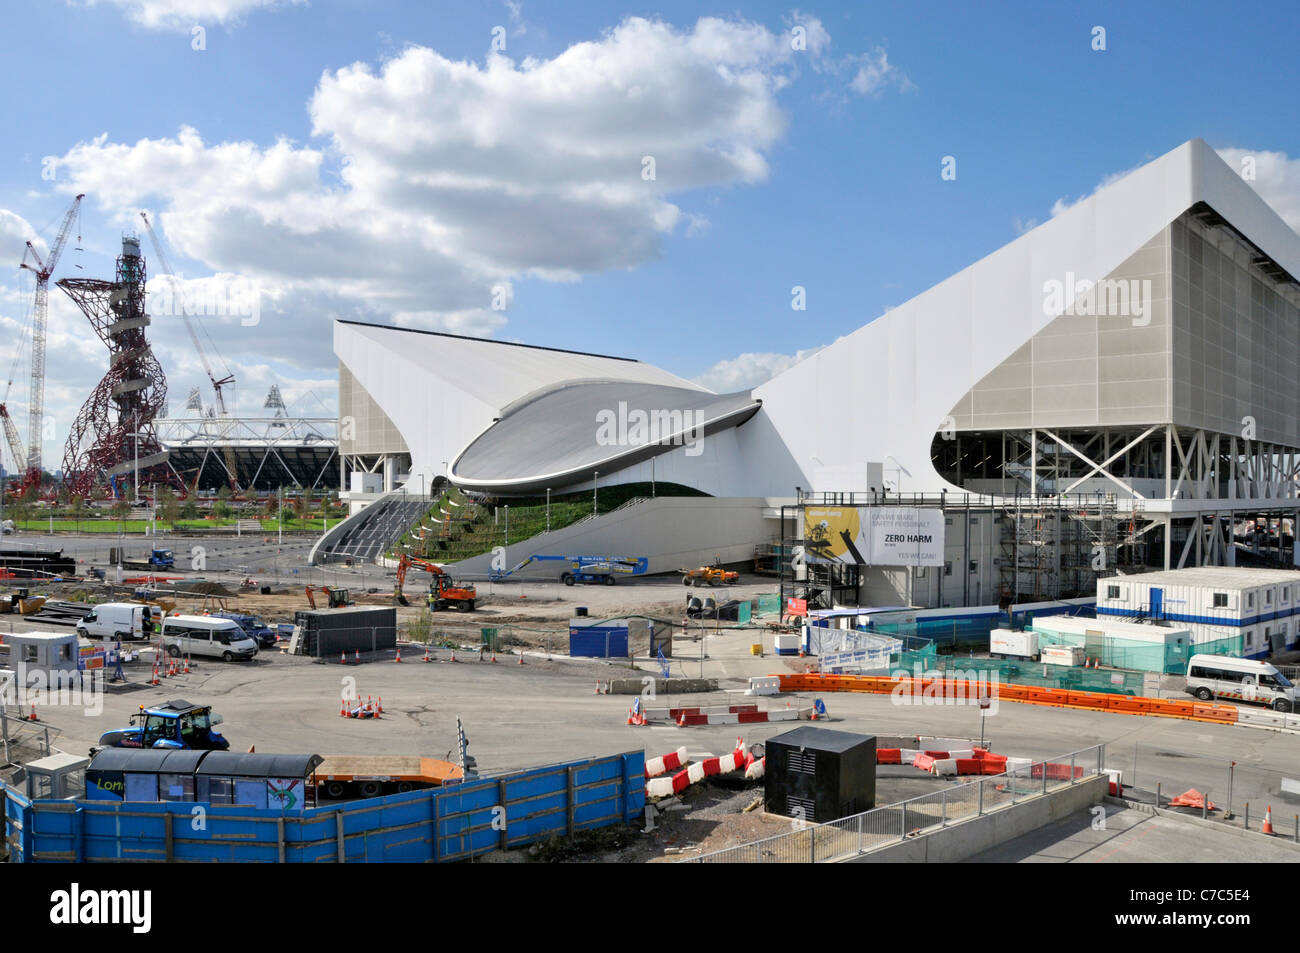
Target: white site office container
{"x":1261,"y":607}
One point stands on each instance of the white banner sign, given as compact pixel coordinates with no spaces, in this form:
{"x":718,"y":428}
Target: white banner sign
{"x":874,"y":535}
{"x":903,"y":536}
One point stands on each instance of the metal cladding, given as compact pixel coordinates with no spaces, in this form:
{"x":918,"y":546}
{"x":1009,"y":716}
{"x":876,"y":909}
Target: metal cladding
{"x":113,"y":433}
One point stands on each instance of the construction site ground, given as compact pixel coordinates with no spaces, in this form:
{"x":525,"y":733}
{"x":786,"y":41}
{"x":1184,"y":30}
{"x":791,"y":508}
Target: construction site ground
{"x":548,"y":710}
{"x":544,"y":712}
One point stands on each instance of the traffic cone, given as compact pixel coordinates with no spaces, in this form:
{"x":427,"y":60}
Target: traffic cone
{"x":426,"y":656}
{"x":154,"y":680}
{"x":343,"y":708}
{"x":343,"y":658}
{"x":494,"y":658}
{"x":379,"y":707}
{"x":598,"y":688}
{"x":358,"y":659}
{"x":399,"y":655}
{"x":681,"y":720}
{"x":32,"y":716}
{"x":631,"y":719}
{"x":521,"y":658}
{"x":187,"y":665}
{"x":1268,"y":821}
{"x":453,"y":655}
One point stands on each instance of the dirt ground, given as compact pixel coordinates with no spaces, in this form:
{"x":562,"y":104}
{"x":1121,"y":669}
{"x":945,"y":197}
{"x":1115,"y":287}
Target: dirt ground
{"x":530,"y":612}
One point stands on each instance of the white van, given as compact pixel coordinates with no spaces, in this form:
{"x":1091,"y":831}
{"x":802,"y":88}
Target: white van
{"x":206,"y":635}
{"x":1244,"y":679}
{"x":128,"y":621}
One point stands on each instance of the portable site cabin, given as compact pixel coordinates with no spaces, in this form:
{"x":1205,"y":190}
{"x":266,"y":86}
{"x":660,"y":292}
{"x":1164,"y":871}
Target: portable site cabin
{"x":1251,"y":613}
{"x":48,"y":652}
{"x":1149,"y":647}
{"x":214,"y":777}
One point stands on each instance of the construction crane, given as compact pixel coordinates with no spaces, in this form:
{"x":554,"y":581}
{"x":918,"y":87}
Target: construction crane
{"x":167,"y":270}
{"x":40,"y":316}
{"x":15,"y":441}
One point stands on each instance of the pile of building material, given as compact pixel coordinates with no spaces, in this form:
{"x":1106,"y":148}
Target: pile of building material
{"x":58,"y":612}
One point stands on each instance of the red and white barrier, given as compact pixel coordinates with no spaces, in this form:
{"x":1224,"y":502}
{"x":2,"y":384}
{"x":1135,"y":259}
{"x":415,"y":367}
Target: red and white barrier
{"x":666,"y":787}
{"x":672,"y":714}
{"x":756,"y":769}
{"x":669,"y":762}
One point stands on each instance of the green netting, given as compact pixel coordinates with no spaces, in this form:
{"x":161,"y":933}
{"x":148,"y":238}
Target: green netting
{"x":954,"y":632}
{"x":1169,"y":658}
{"x":769,"y":603}
{"x":1021,"y":673}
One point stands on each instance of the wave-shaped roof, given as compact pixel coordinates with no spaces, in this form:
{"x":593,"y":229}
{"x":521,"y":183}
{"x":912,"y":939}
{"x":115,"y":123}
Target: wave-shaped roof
{"x":564,"y":434}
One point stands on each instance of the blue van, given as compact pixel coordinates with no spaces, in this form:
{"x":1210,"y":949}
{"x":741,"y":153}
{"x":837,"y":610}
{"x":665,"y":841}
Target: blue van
{"x":259,"y":631}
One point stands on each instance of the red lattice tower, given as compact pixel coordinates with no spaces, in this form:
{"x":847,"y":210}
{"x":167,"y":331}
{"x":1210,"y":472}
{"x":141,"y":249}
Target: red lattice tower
{"x":103,"y":445}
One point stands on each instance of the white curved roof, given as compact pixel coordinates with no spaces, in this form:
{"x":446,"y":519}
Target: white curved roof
{"x":564,"y":434}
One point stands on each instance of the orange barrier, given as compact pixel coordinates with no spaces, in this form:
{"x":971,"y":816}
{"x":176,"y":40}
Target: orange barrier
{"x":1025,"y":694}
{"x":889,"y":756}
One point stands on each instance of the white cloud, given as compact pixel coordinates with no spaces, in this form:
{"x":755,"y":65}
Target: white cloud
{"x":875,"y":73}
{"x":428,"y":183}
{"x":185,"y":14}
{"x":454,"y":176}
{"x":749,"y":370}
{"x":1277,"y":179}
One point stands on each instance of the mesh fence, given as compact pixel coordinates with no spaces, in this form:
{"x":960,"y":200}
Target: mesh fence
{"x":894,"y":823}
{"x":1169,"y":657}
{"x":945,"y":632}
{"x":1016,"y":672}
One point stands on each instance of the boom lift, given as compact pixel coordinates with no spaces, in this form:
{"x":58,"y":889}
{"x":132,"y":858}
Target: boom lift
{"x":591,"y":569}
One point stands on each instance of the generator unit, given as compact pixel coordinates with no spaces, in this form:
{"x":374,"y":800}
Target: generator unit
{"x":820,"y":775}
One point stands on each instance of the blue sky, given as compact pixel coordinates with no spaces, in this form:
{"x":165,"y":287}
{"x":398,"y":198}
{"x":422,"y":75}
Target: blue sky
{"x":378,"y":161}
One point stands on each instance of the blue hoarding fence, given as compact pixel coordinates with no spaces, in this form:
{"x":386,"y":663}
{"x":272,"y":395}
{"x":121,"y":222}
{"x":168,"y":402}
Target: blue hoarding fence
{"x":451,"y":823}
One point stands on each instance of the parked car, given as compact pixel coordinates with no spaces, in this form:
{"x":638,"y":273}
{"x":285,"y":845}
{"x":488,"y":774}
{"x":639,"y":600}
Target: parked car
{"x":265,"y":636}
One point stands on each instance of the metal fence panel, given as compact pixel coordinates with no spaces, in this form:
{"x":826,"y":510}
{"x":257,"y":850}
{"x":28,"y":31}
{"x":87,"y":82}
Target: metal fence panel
{"x":891,"y":823}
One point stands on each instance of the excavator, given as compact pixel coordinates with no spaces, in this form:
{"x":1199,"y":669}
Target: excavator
{"x":443,"y":591}
{"x":338,"y":598}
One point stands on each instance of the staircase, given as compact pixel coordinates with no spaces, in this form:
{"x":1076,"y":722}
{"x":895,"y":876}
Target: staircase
{"x":372,"y":532}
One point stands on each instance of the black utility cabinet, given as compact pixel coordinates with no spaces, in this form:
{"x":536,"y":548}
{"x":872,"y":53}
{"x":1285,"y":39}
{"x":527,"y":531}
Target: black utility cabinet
{"x":820,"y":775}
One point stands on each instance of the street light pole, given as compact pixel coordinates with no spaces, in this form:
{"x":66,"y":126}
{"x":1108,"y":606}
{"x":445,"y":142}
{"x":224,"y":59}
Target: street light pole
{"x":548,"y":509}
{"x":135,"y":480}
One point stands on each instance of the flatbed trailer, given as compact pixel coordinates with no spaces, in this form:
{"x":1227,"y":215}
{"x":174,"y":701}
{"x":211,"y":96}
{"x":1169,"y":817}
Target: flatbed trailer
{"x":341,"y":776}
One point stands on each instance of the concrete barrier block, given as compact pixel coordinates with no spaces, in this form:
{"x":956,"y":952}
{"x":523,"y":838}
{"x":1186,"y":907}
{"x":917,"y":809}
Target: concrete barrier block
{"x":662,"y":686}
{"x":764,"y":685}
{"x":1269,"y":719}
